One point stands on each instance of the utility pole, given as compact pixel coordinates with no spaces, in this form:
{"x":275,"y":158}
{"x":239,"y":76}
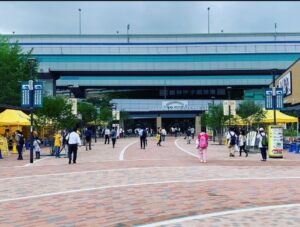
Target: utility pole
{"x":31,"y":62}
{"x":274,"y":95}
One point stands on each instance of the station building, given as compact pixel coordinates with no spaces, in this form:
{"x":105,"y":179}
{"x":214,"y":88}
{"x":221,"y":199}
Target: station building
{"x":164,"y":77}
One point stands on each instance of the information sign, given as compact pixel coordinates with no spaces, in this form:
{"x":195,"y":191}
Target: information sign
{"x":37,"y":91}
{"x":269,"y":101}
{"x":275,"y":141}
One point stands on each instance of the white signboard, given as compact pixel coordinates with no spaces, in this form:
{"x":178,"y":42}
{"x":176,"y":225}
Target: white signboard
{"x":175,"y":105}
{"x":229,"y":104}
{"x":74,"y":105}
{"x":286,"y":84}
{"x":116,"y":115}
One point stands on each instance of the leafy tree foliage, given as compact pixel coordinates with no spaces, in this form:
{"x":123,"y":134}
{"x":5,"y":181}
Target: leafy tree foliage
{"x":56,"y":112}
{"x":216,"y":118}
{"x":88,"y":112}
{"x":249,"y":108}
{"x":14,"y":68}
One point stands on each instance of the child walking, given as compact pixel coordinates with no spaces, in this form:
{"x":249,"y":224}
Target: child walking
{"x":36,"y":147}
{"x":202,"y":145}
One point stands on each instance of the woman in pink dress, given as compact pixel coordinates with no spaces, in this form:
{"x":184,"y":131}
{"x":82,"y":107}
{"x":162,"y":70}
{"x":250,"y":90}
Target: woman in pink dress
{"x":202,"y":145}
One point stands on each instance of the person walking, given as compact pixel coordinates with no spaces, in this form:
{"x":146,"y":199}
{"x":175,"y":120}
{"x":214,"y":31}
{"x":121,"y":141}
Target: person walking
{"x":163,"y":134}
{"x":231,"y":138}
{"x":74,"y":142}
{"x":143,"y":137}
{"x":88,"y":139}
{"x":193,"y":133}
{"x":202,"y":145}
{"x":242,"y":142}
{"x":263,"y":143}
{"x":20,"y":144}
{"x":106,"y":135}
{"x":158,"y":137}
{"x":57,"y":144}
{"x":188,"y":135}
{"x":113,"y":137}
{"x":36,"y":147}
{"x":65,"y":143}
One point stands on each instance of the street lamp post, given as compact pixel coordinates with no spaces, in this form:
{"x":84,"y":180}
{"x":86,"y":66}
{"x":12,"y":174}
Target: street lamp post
{"x":213,"y":104}
{"x":273,"y":71}
{"x":31,"y":62}
{"x":229,"y":98}
{"x":208,"y":19}
{"x":79,"y":10}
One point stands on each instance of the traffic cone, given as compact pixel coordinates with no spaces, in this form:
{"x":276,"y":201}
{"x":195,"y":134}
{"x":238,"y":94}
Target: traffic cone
{"x":1,"y":154}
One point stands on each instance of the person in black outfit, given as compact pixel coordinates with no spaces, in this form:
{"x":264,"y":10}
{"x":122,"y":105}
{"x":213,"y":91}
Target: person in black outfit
{"x":20,"y":143}
{"x":88,"y":139}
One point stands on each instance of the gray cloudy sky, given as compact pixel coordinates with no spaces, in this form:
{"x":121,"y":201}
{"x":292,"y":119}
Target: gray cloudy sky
{"x":147,"y":17}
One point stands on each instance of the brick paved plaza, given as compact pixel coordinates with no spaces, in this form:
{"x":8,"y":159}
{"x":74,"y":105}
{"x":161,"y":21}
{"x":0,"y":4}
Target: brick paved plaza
{"x":158,"y":186}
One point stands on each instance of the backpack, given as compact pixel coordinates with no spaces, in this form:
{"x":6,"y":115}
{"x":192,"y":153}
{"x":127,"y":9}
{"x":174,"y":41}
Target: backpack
{"x":203,"y":142}
{"x":144,"y":134}
{"x":232,"y":139}
{"x":264,"y":140}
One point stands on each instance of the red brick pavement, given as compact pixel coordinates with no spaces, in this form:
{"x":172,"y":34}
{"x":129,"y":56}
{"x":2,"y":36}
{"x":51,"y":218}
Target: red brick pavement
{"x":158,"y":183}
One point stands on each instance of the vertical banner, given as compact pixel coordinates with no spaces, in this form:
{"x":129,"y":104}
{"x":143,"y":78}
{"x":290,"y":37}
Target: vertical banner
{"x":25,"y":94}
{"x":38,"y":94}
{"x":275,"y":141}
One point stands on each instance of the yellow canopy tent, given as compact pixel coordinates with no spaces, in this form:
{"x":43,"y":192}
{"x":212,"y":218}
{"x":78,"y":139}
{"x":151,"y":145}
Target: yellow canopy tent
{"x":280,"y":118}
{"x":236,"y":120}
{"x":14,"y":117}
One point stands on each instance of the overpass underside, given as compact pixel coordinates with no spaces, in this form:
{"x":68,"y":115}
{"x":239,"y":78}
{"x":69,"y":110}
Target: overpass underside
{"x":161,"y":84}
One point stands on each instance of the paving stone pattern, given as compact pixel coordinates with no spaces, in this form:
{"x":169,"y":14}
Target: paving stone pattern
{"x":148,"y":186}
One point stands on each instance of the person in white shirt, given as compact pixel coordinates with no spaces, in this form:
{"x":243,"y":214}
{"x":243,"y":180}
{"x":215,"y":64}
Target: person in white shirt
{"x":193,"y":132}
{"x":106,"y":135}
{"x":163,"y":134}
{"x":73,"y":141}
{"x":263,"y":147}
{"x":231,"y":138}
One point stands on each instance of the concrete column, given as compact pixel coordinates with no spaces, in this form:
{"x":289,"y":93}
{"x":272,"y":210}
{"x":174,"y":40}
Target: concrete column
{"x":158,"y":122}
{"x":197,"y":124}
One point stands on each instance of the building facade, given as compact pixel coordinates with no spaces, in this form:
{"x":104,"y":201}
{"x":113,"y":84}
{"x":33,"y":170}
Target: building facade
{"x":161,"y":67}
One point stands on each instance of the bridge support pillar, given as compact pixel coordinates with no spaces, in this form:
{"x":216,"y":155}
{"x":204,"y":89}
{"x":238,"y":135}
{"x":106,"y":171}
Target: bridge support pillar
{"x":158,"y":121}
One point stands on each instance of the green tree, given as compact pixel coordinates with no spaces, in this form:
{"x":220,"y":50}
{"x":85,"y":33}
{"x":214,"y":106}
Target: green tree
{"x":249,"y":108}
{"x":216,"y":118}
{"x":14,"y":68}
{"x":58,"y":112}
{"x":87,"y":111}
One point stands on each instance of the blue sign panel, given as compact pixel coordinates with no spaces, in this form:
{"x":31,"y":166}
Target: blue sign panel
{"x":279,"y":98}
{"x":268,"y":99}
{"x":25,"y":94}
{"x":37,"y":94}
